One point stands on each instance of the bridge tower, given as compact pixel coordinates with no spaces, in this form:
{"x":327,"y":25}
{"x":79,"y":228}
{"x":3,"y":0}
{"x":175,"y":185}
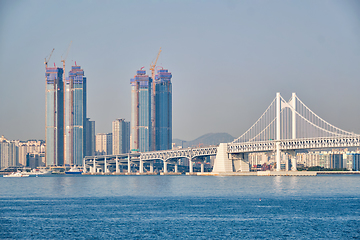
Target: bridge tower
{"x":278,"y":110}
{"x":293,"y":135}
{"x":293,"y":109}
{"x":284,"y":126}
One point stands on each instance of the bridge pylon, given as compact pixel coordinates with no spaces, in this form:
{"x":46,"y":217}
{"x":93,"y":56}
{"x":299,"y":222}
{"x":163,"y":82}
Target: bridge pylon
{"x":222,"y":162}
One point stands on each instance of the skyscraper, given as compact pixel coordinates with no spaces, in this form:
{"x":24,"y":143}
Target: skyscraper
{"x":121,"y":136}
{"x":75,"y":116}
{"x":89,"y":138}
{"x":140,"y":137}
{"x":163,"y":110}
{"x":54,"y":116}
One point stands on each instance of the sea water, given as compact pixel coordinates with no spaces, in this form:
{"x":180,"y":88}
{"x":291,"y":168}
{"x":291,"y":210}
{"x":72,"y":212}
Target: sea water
{"x":175,"y":207}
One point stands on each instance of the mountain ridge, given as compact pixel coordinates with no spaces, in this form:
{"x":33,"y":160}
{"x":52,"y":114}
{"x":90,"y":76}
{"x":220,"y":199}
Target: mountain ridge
{"x":205,"y":140}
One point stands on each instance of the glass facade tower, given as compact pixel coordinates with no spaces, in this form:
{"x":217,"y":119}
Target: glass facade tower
{"x":75,"y":116}
{"x":54,"y":116}
{"x":163,"y":110}
{"x":89,"y":137}
{"x":140,"y":132}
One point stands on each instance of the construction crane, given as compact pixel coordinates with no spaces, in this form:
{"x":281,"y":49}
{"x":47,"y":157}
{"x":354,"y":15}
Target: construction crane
{"x":64,"y":59}
{"x":152,"y":66}
{"x":47,"y":60}
{"x":71,"y":101}
{"x":153,"y":111}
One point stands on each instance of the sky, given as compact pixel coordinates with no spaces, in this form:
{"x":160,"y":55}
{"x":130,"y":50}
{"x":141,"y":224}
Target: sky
{"x":228,"y":59}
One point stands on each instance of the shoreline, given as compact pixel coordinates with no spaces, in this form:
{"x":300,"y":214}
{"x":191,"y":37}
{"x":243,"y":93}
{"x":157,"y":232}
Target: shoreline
{"x":259,"y":173}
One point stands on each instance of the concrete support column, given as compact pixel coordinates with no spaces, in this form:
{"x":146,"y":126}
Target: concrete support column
{"x":141,"y":167}
{"x":129,"y":164}
{"x":152,"y":167}
{"x":94,"y":165}
{"x":91,"y":169}
{"x":105,"y":166}
{"x":176,"y":166}
{"x":287,"y":165}
{"x":202,"y":167}
{"x":84,"y":167}
{"x":278,"y":157}
{"x":117,"y":165}
{"x":293,"y":163}
{"x":165,"y":167}
{"x":191,"y":165}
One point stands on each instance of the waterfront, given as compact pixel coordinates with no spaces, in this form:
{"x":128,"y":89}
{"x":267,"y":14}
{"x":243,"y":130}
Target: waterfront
{"x":206,"y":207}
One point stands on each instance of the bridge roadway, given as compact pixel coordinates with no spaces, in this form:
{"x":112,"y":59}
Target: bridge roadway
{"x":95,"y":163}
{"x":294,"y":144}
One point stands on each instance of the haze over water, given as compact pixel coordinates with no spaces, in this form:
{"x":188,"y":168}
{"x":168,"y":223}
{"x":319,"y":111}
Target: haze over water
{"x":228,"y":59}
{"x":180,"y":207}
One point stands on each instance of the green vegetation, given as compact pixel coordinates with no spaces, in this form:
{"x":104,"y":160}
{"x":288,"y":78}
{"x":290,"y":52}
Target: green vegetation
{"x":318,"y":168}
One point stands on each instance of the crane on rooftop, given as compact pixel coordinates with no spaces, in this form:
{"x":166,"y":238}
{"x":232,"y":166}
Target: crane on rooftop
{"x":64,"y":59}
{"x":152,"y":68}
{"x":71,"y":101}
{"x":153,"y":65}
{"x":47,"y":60}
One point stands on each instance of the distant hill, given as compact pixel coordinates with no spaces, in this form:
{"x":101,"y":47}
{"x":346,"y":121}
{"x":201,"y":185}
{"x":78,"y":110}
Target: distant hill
{"x":205,"y":140}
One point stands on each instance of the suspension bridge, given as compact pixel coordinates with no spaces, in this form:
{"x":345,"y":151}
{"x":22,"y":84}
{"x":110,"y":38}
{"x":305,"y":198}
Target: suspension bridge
{"x":285,"y":126}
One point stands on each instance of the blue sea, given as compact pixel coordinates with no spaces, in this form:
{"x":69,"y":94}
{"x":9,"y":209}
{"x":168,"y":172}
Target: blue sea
{"x":177,"y":207}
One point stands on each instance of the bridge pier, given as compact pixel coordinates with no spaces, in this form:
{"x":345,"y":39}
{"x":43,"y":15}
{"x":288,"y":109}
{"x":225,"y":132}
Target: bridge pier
{"x":84,"y":166}
{"x":152,"y":167}
{"x":176,"y":167}
{"x":105,"y":166}
{"x":278,"y":157}
{"x":293,"y":164}
{"x":94,"y":165}
{"x":129,"y":164}
{"x":141,"y":167}
{"x":117,"y":165}
{"x":191,"y":170}
{"x":222,"y":162}
{"x":165,"y":167}
{"x":202,"y":167}
{"x":293,"y":160}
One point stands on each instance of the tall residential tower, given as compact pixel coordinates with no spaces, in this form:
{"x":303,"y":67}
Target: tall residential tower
{"x":140,"y":137}
{"x":75,"y":116}
{"x":146,"y":104}
{"x":54,"y":116}
{"x":163,"y":110}
{"x":65,"y":117}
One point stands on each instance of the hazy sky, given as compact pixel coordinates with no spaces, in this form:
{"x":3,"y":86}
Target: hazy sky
{"x":228,"y":59}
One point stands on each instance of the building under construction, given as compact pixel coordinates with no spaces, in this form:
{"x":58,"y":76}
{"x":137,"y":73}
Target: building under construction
{"x":65,"y":117}
{"x":146,"y":104}
{"x":163,"y":110}
{"x":140,"y":132}
{"x":75,"y":116}
{"x":54,"y":116}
